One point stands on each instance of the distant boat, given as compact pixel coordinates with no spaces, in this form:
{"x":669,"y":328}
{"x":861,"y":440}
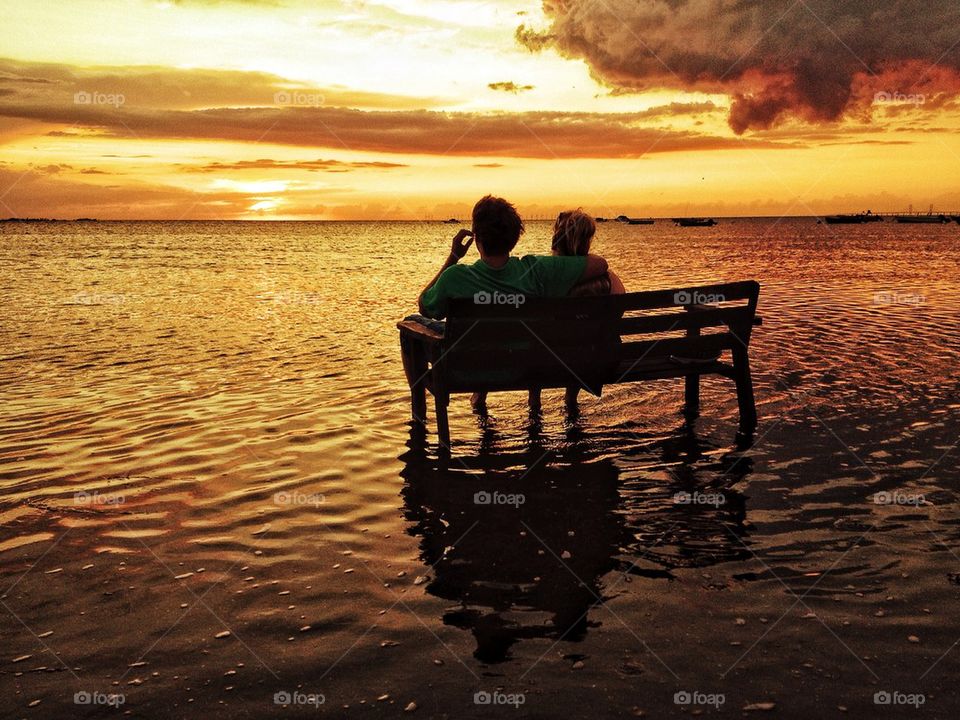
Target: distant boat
{"x":843,"y":220}
{"x":857,"y":219}
{"x":640,"y":221}
{"x":695,"y":222}
{"x":929,"y":219}
{"x":451,"y":221}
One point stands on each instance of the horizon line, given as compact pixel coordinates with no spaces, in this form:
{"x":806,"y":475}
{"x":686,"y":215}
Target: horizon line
{"x":441,"y":221}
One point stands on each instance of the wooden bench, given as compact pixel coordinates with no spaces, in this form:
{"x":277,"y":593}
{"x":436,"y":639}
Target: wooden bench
{"x":587,"y":342}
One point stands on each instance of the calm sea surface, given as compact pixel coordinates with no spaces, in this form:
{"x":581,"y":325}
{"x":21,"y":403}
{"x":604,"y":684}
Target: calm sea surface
{"x":204,"y":430}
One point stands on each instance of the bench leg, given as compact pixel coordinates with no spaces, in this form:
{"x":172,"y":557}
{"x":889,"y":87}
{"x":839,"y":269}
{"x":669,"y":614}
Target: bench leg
{"x":443,"y":425}
{"x":691,"y":396}
{"x":745,"y":399}
{"x":691,"y":389}
{"x":415,"y":368}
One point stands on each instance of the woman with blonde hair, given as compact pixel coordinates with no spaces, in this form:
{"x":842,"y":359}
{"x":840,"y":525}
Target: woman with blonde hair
{"x":573,"y":235}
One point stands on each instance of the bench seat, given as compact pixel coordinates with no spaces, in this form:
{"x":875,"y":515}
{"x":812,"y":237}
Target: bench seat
{"x":586,"y":342}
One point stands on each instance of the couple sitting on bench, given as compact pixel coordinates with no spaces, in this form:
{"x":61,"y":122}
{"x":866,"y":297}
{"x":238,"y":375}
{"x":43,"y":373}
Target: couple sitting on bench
{"x":570,"y":271}
{"x":510,"y":324}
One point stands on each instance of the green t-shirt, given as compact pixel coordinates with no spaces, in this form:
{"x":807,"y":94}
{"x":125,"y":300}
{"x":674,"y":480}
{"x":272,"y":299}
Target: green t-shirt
{"x":531,"y":275}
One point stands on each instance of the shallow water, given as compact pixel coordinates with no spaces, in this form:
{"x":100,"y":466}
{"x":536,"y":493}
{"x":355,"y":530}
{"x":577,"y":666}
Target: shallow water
{"x":205,"y":430}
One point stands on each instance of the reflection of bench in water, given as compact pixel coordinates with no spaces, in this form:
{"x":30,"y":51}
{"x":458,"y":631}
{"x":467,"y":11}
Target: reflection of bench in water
{"x":587,"y":342}
{"x":587,"y":527}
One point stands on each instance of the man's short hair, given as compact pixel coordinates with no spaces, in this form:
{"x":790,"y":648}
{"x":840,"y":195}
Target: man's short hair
{"x":497,"y":224}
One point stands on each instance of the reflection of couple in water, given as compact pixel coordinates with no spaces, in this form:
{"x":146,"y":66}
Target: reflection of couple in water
{"x":587,"y":526}
{"x":571,"y":269}
{"x":539,"y":568}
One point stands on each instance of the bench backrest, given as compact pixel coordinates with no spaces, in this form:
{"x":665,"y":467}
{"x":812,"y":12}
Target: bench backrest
{"x":568,"y":341}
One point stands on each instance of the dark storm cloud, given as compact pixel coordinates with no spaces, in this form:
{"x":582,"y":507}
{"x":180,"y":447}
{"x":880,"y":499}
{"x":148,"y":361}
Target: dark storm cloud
{"x":816,"y":60}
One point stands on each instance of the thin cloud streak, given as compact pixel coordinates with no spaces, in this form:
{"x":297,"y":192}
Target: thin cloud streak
{"x":558,"y":135}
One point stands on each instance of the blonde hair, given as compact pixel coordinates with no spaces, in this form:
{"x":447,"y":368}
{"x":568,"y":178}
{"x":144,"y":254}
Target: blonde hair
{"x":573,"y":232}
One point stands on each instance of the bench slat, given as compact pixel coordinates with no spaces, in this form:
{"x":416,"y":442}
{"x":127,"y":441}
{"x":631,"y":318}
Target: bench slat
{"x":489,"y":337}
{"x":702,"y":346}
{"x":749,"y":290}
{"x":723,"y":292}
{"x":534,"y":307}
{"x":627,"y":371}
{"x":709,"y":317}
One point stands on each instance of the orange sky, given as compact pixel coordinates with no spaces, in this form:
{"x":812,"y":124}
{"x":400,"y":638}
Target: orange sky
{"x":368,"y":109}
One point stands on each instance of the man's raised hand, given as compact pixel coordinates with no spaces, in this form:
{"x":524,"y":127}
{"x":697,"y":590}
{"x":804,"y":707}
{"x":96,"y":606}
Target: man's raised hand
{"x":461,"y":243}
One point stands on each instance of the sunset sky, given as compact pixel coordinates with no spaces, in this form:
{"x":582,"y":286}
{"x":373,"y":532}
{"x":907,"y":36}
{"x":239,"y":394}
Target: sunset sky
{"x":381,"y":109}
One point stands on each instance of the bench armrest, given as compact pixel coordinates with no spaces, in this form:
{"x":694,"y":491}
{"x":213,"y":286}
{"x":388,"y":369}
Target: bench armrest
{"x":416,"y":331}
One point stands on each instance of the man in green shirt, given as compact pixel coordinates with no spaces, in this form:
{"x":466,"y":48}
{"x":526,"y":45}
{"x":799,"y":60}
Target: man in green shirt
{"x":499,"y":278}
{"x":497,"y":228}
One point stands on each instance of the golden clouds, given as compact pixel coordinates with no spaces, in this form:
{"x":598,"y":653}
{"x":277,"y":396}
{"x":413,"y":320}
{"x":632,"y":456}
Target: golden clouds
{"x":174,"y":88}
{"x":253,"y":107}
{"x":345,"y":108}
